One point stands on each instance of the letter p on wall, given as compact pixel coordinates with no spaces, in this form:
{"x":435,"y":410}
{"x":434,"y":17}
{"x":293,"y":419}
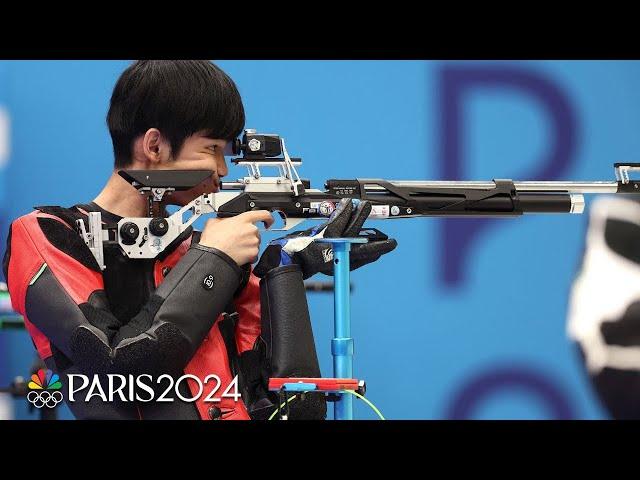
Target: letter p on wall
{"x":455,"y":82}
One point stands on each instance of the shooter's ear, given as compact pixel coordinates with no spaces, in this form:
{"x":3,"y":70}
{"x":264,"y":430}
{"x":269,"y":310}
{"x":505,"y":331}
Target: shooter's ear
{"x":155,"y":148}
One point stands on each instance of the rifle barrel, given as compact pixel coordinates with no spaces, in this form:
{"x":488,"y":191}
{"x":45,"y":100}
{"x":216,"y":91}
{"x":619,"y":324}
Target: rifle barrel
{"x":529,"y":186}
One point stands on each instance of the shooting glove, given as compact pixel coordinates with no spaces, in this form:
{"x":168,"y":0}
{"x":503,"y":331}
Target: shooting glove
{"x":313,"y":257}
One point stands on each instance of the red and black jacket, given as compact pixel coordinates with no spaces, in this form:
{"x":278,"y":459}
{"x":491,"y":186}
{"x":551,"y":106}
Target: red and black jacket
{"x":136,"y":317}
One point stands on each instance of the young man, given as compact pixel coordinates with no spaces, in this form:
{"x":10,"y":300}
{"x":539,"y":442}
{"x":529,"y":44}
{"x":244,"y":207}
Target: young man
{"x":156,"y":317}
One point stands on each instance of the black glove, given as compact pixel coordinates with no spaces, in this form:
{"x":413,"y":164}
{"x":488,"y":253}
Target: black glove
{"x":313,"y":257}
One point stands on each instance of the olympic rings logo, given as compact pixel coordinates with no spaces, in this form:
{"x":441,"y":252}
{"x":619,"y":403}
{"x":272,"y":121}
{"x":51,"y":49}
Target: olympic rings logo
{"x":43,"y":398}
{"x":40,"y":386}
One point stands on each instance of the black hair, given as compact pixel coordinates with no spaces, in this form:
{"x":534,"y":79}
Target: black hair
{"x":179,"y":98}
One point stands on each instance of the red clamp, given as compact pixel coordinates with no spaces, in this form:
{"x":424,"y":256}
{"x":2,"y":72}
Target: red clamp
{"x":321,"y":384}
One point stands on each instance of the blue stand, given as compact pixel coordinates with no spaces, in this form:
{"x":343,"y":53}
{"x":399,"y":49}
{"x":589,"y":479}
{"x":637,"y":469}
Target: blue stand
{"x":342,"y":343}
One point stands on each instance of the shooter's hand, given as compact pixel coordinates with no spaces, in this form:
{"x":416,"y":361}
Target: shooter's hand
{"x":237,"y":236}
{"x":313,"y":257}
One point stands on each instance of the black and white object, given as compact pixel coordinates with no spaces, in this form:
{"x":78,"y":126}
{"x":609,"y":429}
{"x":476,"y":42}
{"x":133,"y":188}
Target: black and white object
{"x":605,"y":294}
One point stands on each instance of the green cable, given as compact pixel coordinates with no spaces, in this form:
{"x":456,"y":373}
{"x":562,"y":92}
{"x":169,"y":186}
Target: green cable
{"x":282,"y":405}
{"x":373,"y":407}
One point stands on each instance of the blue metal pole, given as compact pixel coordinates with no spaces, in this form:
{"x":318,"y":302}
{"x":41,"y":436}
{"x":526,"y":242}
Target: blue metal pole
{"x":342,"y":343}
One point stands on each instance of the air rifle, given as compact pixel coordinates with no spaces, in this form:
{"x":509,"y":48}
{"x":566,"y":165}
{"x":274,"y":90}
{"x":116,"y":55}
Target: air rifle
{"x":293,"y":199}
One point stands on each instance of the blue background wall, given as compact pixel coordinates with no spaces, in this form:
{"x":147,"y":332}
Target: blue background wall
{"x":463,"y":319}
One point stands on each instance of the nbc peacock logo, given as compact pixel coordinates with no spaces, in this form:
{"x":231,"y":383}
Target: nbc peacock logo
{"x":44,"y":389}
